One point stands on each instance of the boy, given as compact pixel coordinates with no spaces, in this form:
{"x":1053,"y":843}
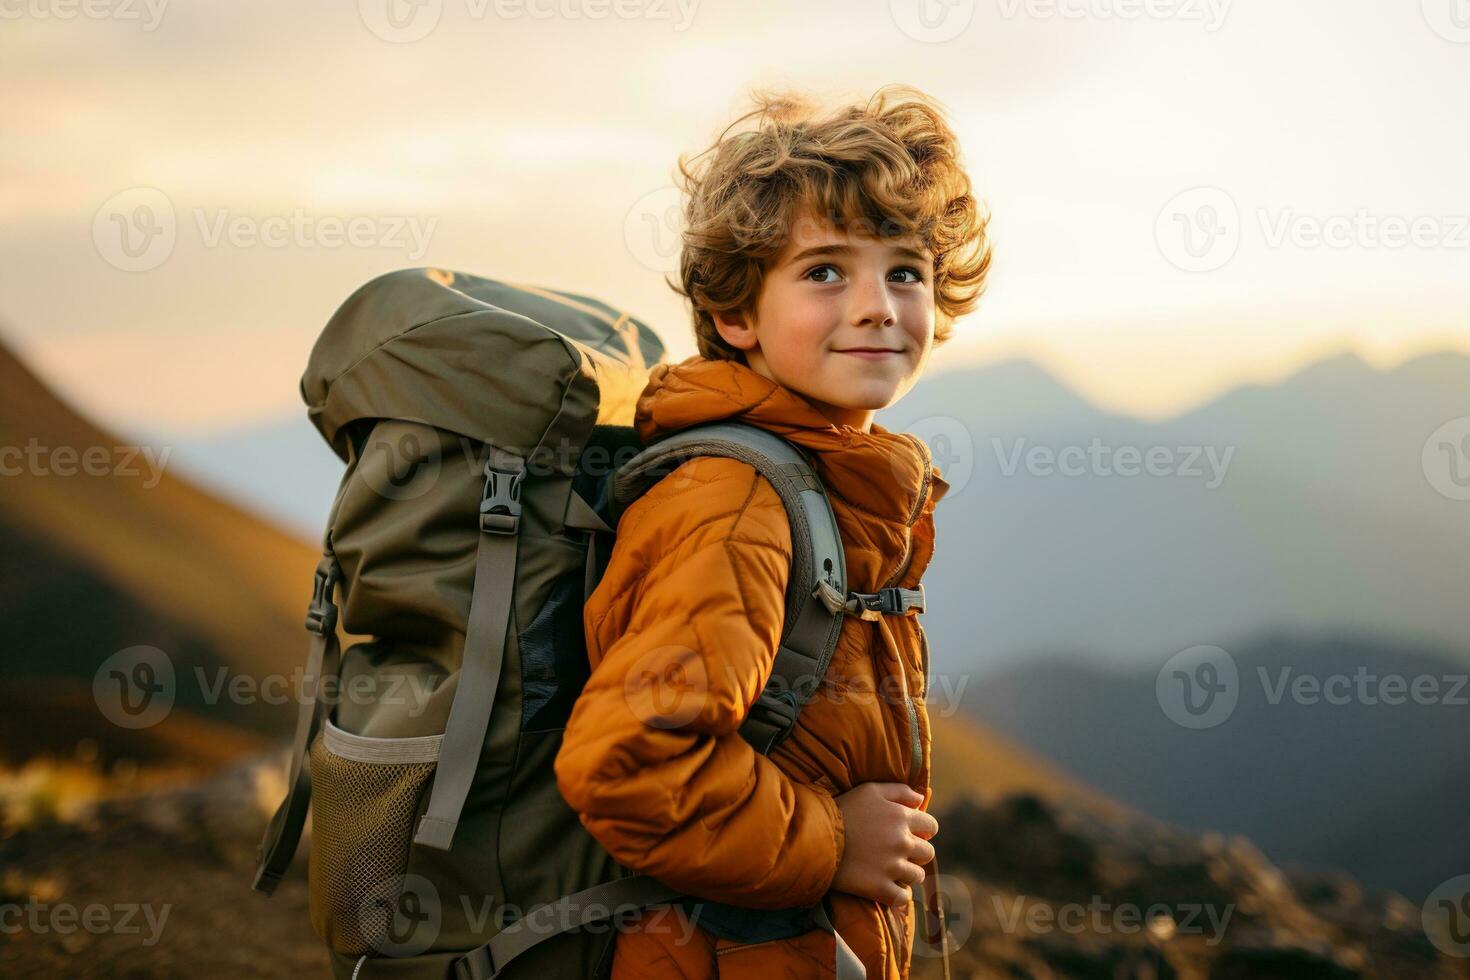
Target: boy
{"x":823,"y":258}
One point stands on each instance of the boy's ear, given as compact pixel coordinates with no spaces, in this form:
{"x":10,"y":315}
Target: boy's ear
{"x":736,"y":328}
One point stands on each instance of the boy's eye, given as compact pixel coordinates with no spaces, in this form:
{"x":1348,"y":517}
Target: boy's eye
{"x":917,"y":275}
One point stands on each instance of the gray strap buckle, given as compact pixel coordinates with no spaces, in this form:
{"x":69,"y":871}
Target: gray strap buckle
{"x":321,"y":615}
{"x":500,"y":505}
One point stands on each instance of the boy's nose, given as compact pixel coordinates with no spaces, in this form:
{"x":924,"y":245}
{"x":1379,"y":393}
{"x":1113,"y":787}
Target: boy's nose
{"x":870,"y":303}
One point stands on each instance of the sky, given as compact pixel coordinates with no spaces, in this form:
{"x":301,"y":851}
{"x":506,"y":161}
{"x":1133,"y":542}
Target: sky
{"x":1185,"y":194}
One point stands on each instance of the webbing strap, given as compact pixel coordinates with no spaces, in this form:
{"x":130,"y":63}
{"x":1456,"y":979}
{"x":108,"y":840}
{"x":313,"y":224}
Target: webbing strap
{"x":849,"y":967}
{"x":601,"y":902}
{"x":577,"y":909}
{"x":283,"y":833}
{"x":936,"y":930}
{"x":810,"y":628}
{"x":484,"y":651}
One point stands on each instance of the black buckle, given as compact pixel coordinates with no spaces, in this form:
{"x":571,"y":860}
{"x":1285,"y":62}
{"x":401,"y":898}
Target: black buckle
{"x":500,"y":505}
{"x":886,"y":601}
{"x":321,"y":615}
{"x":890,"y":601}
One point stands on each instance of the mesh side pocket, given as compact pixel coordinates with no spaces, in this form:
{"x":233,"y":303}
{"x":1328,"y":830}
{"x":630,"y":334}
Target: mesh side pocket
{"x":365,"y":793}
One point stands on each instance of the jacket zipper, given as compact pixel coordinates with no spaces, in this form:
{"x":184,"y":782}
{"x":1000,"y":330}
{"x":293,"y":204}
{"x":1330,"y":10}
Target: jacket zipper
{"x":891,"y":927}
{"x":908,"y":542}
{"x":916,"y":747}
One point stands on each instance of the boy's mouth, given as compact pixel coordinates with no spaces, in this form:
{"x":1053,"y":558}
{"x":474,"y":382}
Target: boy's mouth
{"x":870,"y":353}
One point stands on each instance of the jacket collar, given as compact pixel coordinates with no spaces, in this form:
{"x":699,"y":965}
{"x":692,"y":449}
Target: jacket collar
{"x":890,"y":475}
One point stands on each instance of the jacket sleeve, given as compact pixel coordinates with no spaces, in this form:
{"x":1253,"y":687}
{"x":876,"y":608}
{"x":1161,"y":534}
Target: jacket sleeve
{"x":687,"y":620}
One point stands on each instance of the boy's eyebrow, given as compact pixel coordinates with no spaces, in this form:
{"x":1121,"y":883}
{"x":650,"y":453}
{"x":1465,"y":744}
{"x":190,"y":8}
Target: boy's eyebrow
{"x":842,"y":249}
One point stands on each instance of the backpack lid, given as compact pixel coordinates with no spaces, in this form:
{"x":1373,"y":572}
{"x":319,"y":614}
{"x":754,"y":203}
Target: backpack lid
{"x":512,"y":365}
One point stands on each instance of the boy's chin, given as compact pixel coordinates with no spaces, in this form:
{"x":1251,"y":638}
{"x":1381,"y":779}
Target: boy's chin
{"x":863,"y":401}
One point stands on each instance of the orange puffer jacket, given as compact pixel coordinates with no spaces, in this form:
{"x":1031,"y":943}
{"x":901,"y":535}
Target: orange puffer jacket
{"x":694,"y":594}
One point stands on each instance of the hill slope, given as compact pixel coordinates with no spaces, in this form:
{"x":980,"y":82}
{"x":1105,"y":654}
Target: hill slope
{"x":106,"y":549}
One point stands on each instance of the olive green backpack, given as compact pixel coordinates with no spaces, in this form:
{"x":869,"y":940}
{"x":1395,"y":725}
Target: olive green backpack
{"x":487,"y":432}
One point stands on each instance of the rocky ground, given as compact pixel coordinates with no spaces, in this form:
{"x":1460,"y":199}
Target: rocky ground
{"x":1046,"y":892}
{"x":157,"y":885}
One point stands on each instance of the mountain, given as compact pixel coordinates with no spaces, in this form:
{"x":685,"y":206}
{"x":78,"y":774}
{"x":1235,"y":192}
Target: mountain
{"x":1306,"y":504}
{"x":971,"y":761}
{"x":1328,"y":773}
{"x":280,"y":470}
{"x":106,"y":549}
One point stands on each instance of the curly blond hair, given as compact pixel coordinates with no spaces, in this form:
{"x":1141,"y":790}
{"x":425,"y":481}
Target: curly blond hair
{"x":891,"y":165}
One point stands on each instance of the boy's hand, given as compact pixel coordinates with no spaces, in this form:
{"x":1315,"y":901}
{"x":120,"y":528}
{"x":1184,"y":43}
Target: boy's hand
{"x":887,"y":841}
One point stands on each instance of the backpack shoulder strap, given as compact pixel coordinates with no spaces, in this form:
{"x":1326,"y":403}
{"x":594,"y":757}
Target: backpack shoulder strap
{"x":818,"y":583}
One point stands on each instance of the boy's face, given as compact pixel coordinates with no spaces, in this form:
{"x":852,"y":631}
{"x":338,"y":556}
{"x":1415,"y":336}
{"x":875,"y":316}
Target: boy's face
{"x":847,"y":320}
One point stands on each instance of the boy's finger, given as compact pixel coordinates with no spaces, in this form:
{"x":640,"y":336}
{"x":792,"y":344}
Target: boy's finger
{"x":902,"y":793}
{"x":922,"y":853}
{"x":923,"y":824}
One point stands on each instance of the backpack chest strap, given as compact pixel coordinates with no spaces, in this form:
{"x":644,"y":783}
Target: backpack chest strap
{"x":871,"y":605}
